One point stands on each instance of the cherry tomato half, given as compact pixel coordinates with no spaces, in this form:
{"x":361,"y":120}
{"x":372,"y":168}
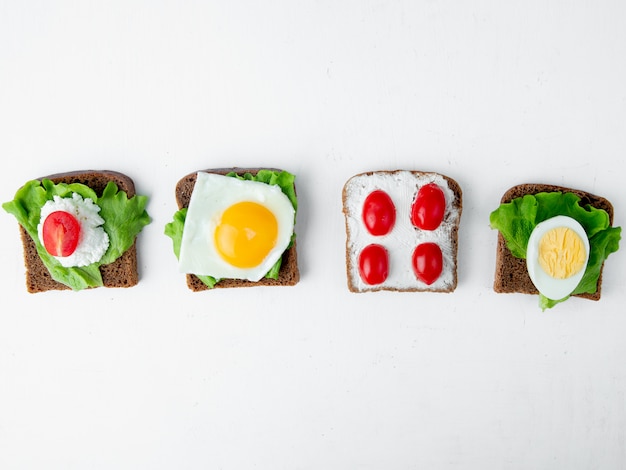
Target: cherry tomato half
{"x":61,"y":233}
{"x":427,"y":262}
{"x":379,"y":213}
{"x":429,"y":207}
{"x":373,"y":264}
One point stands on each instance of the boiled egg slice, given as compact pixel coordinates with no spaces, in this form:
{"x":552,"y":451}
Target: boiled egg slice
{"x":556,"y":256}
{"x":235,"y":229}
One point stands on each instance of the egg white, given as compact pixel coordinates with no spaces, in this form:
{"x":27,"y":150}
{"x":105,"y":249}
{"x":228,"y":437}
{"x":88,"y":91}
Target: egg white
{"x":93,"y":241}
{"x":211,"y":196}
{"x":554,"y":289}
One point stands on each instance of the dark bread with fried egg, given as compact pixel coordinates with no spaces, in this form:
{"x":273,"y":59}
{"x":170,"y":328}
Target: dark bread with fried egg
{"x":511,"y":274}
{"x":121,"y":273}
{"x":289,"y":273}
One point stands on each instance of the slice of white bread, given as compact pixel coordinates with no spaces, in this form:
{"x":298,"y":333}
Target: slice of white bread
{"x":402,"y":186}
{"x":511,"y":274}
{"x":289,"y":274}
{"x":121,"y":273}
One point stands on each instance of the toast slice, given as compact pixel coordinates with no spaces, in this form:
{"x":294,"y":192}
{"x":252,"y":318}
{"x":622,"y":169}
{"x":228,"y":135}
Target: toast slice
{"x":402,"y":186}
{"x":121,"y":273}
{"x":289,"y":273}
{"x":511,"y":274}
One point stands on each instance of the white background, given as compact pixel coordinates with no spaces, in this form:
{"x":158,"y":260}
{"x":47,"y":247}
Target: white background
{"x":490,"y":93}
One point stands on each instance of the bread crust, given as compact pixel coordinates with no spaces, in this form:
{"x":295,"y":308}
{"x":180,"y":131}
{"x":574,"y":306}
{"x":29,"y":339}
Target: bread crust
{"x":121,"y":273}
{"x":289,"y":274}
{"x":511,"y":274}
{"x":351,"y":260}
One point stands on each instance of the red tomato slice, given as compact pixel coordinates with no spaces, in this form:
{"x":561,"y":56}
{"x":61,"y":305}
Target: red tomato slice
{"x":379,"y":213}
{"x":61,"y":233}
{"x":429,"y":207}
{"x":427,"y":262}
{"x":373,"y":264}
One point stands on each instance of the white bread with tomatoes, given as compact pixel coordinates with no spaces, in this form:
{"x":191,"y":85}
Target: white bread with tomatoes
{"x":437,"y":238}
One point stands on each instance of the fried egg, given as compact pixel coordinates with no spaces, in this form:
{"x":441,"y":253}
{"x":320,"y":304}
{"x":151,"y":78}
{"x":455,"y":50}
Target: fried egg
{"x":556,"y":256}
{"x":235,"y":229}
{"x":93,"y":242}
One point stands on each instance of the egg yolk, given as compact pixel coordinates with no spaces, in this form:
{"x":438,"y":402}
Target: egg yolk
{"x":246,"y":234}
{"x":561,"y":252}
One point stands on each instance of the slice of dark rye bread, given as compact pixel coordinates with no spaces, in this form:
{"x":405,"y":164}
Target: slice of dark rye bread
{"x":511,"y":275}
{"x":289,"y":273}
{"x":121,"y":273}
{"x":456,"y":203}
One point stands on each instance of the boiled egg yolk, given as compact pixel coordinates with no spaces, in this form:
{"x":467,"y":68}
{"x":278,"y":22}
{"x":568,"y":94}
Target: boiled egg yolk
{"x":561,"y":253}
{"x":245,"y":234}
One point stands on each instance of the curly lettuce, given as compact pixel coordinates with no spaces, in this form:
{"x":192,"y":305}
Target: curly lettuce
{"x":516,"y":220}
{"x":123,"y":218}
{"x":282,"y":179}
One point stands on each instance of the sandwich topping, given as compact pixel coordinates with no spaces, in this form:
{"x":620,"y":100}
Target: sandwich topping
{"x":71,"y":230}
{"x":374,"y":264}
{"x":427,"y":262}
{"x":379,"y":217}
{"x":429,"y":207}
{"x":379,"y":213}
{"x":427,"y":213}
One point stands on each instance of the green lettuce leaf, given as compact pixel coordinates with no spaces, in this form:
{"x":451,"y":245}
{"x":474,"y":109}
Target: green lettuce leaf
{"x":516,"y":220}
{"x":123,"y":218}
{"x":283,"y":179}
{"x":545,"y":303}
{"x":601,"y":245}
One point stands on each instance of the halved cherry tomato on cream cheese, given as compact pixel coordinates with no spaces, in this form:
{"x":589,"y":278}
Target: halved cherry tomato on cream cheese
{"x":373,"y":264}
{"x":427,"y":262}
{"x":379,"y":213}
{"x":61,"y":233}
{"x":429,"y":207}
